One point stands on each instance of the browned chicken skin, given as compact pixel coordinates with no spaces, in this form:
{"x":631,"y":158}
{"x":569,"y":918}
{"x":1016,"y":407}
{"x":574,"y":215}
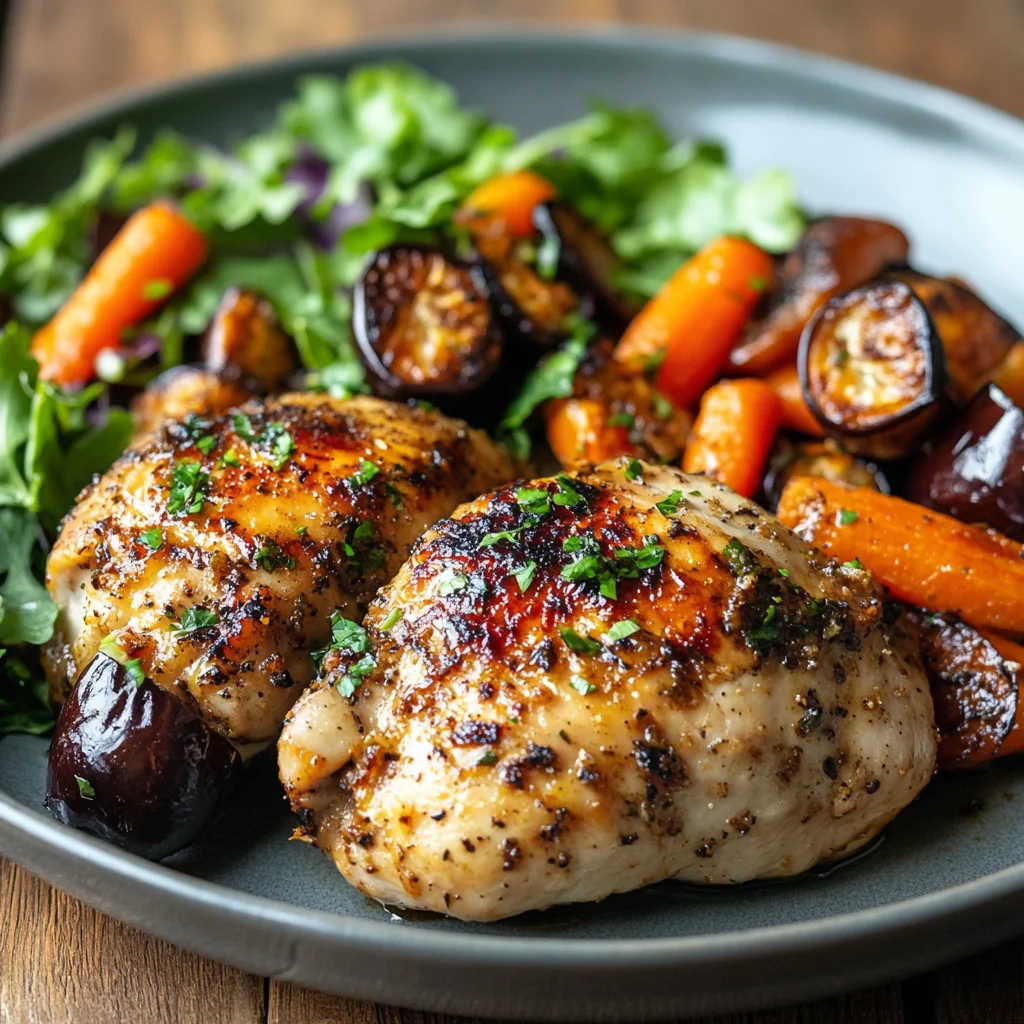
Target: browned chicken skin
{"x":262,"y":526}
{"x":586,"y":685}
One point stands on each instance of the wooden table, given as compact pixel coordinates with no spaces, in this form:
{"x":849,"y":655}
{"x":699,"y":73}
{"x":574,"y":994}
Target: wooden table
{"x":61,"y":961}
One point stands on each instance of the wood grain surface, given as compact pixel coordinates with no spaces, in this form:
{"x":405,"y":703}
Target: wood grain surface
{"x":61,"y":961}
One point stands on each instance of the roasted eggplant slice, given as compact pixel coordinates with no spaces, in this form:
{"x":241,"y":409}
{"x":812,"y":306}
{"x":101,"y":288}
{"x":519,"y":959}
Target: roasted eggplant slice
{"x":975,"y":471}
{"x":834,"y":255}
{"x":580,"y":254}
{"x":528,"y":306}
{"x":423,"y":325}
{"x":872,"y":370}
{"x":973,"y":686}
{"x":824,"y":459}
{"x":245,"y":342}
{"x":974,"y":337}
{"x":131,"y":763}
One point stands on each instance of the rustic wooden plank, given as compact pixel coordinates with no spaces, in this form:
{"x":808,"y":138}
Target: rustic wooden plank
{"x":988,"y":987}
{"x":289,"y":1004}
{"x":62,"y":961}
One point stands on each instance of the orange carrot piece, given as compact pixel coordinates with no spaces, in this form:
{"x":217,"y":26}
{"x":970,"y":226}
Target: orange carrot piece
{"x":696,"y":318}
{"x":733,"y":433}
{"x":923,"y":557}
{"x":154,"y":253}
{"x":506,"y":203}
{"x":579,"y":433}
{"x":796,"y":414}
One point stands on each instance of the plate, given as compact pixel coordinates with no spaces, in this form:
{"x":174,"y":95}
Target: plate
{"x":945,"y":881}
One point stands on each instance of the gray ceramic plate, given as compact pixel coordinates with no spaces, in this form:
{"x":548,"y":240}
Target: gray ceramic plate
{"x":946,"y":880}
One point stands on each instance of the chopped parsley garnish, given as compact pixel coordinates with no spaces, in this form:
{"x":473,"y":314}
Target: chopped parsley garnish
{"x":622,"y":629}
{"x":243,"y":428}
{"x":854,"y":563}
{"x":592,"y":564}
{"x":847,"y":517}
{"x":694,"y":494}
{"x":353,"y":678}
{"x":662,"y":406}
{"x":229,"y":458}
{"x":784,"y":573}
{"x":206,"y":444}
{"x":373,"y":558}
{"x":580,"y":644}
{"x":364,"y":474}
{"x":154,"y":291}
{"x":670,"y":506}
{"x":302,"y":530}
{"x":740,"y":558}
{"x":524,"y":575}
{"x":450,"y":582}
{"x":581,"y":686}
{"x":534,"y":501}
{"x":271,"y":557}
{"x":133,"y":666}
{"x":366,"y":530}
{"x":395,"y":495}
{"x":634,"y":470}
{"x":196,"y":426}
{"x":491,"y":539}
{"x":487,"y":759}
{"x":195,"y":618}
{"x":766,"y":632}
{"x":188,"y":488}
{"x":85,"y":788}
{"x":275,"y":439}
{"x":621,"y":419}
{"x":394,"y":616}
{"x":152,"y":539}
{"x":566,"y":493}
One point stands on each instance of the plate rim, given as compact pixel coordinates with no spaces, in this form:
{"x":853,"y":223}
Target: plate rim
{"x":19,"y":821}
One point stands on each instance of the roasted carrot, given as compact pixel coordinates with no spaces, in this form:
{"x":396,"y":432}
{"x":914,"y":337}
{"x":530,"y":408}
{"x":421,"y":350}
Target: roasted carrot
{"x":154,"y":253}
{"x":733,"y":433}
{"x":923,"y":557}
{"x":696,"y":318}
{"x":506,"y":203}
{"x":578,"y":432}
{"x":1008,"y":376}
{"x":795,"y":412}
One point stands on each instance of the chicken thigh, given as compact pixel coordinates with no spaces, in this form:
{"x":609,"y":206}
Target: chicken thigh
{"x":212,"y":555}
{"x":584,"y":685}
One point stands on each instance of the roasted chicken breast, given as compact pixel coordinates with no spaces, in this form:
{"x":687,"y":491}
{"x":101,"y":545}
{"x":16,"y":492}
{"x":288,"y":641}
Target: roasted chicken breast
{"x":583,"y":685}
{"x":216,"y":550}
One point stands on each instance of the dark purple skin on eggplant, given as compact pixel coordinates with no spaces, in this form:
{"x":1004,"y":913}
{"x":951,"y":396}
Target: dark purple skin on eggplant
{"x":825,"y":459}
{"x":424,"y":325}
{"x":134,"y":765}
{"x":975,"y":470}
{"x":531,"y":309}
{"x":586,"y":261}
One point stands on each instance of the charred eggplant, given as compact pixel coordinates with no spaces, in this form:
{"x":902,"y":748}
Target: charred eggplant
{"x":975,"y":471}
{"x":834,"y":255}
{"x":975,"y":339}
{"x":131,"y":763}
{"x":423,"y":325}
{"x":872,"y":369}
{"x":529,"y":307}
{"x":974,"y":688}
{"x":245,"y":342}
{"x":579,"y":254}
{"x":823,"y":459}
